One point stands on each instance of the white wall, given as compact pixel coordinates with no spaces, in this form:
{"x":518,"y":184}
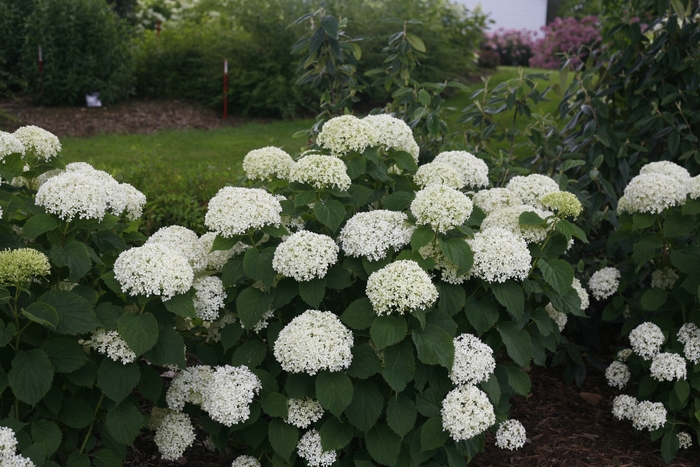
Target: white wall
{"x":512,"y":14}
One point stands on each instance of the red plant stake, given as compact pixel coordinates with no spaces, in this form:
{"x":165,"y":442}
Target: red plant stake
{"x":225,"y":88}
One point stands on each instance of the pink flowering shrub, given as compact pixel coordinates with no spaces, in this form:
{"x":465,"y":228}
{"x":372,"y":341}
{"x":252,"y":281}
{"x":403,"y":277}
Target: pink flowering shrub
{"x":514,"y":46}
{"x":570,"y":36}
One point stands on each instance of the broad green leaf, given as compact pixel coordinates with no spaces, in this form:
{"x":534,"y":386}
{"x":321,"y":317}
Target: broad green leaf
{"x":299,"y":385}
{"x":646,"y":249}
{"x":42,"y":313}
{"x":383,"y":444}
{"x":452,"y":298}
{"x":251,"y":354}
{"x":107,"y":458}
{"x":274,"y":404}
{"x":653,"y":299}
{"x":359,"y":315}
{"x":48,"y":434}
{"x":557,"y":273}
{"x":65,"y":354}
{"x":493,"y":389}
{"x":543,"y":321}
{"x":517,"y":342}
{"x":304,"y":198}
{"x":334,"y":391}
{"x":256,"y":433}
{"x":84,"y":376}
{"x":388,"y":330}
{"x":642,"y":221}
{"x":428,"y":402}
{"x":669,"y":445}
{"x":365,"y":362}
{"x":108,"y":315}
{"x":432,"y":435}
{"x":221,"y":243}
{"x":405,"y":161}
{"x":421,"y":237}
{"x":355,"y":167}
{"x":258,"y":265}
{"x":39,"y":224}
{"x":678,"y":225}
{"x":434,"y":345}
{"x":682,"y":390}
{"x":251,"y":305}
{"x":36,"y":453}
{"x":399,"y":365}
{"x":459,"y":253}
{"x":518,"y":380}
{"x":530,"y":218}
{"x":401,"y":414}
{"x":415,"y":42}
{"x":313,"y":291}
{"x":398,"y":201}
{"x":337,"y":278}
{"x":283,"y":437}
{"x":80,"y":460}
{"x":151,"y":384}
{"x":169,"y":349}
{"x":75,"y":256}
{"x":117,"y":380}
{"x":330,"y":25}
{"x":686,"y":260}
{"x":285,"y":290}
{"x":181,"y":305}
{"x":232,"y":271}
{"x":124,"y":422}
{"x":366,"y":406}
{"x":510,"y":295}
{"x":482,"y":314}
{"x":76,"y":315}
{"x":140,"y":332}
{"x":230,"y":335}
{"x":330,"y":213}
{"x":335,"y":434}
{"x":31,"y":375}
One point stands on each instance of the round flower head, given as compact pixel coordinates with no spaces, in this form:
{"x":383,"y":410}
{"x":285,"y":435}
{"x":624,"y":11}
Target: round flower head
{"x":174,"y":434}
{"x":663,"y":278}
{"x":110,"y":343}
{"x":267,"y":163}
{"x":449,"y":272}
{"x":38,"y":142}
{"x":217,"y":259}
{"x":19,"y":266}
{"x":509,"y":219}
{"x":466,"y":412}
{"x":604,"y":283}
{"x":228,"y":393}
{"x":685,"y":441}
{"x":531,"y":188}
{"x":441,"y":207}
{"x":245,"y":461}
{"x":688,"y":332}
{"x":309,"y":448}
{"x":495,"y":199}
{"x":371,"y":234}
{"x":666,"y":168}
{"x":646,"y":340}
{"x":9,"y":144}
{"x":668,"y":367}
{"x":235,"y":210}
{"x":305,"y":256}
{"x":624,"y":407}
{"x":312,"y":342}
{"x":303,"y":412}
{"x":557,"y":316}
{"x":510,"y":435}
{"x":75,"y":194}
{"x":392,"y":133}
{"x":135,"y":200}
{"x":694,"y":187}
{"x":438,"y":173}
{"x":565,"y":203}
{"x":399,"y":287}
{"x":185,"y":241}
{"x":649,"y":415}
{"x":187,"y":387}
{"x":653,"y":193}
{"x":8,"y":441}
{"x":617,"y":374}
{"x":473,"y":361}
{"x":473,"y":171}
{"x":153,"y":269}
{"x":624,"y":354}
{"x":321,"y":171}
{"x":345,"y":134}
{"x":582,"y":294}
{"x":499,"y":255}
{"x":209,"y":297}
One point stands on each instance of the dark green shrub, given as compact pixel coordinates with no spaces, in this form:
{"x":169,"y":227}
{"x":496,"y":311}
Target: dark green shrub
{"x":12,"y":14}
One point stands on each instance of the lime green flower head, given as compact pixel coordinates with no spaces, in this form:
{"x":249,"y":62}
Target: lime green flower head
{"x":567,"y":204}
{"x":18,"y":266}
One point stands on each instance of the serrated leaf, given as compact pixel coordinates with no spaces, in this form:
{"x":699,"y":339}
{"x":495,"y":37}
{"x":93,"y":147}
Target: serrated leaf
{"x":669,"y":446}
{"x":510,"y":295}
{"x":518,"y":380}
{"x":398,"y":201}
{"x":452,"y":298}
{"x":124,"y":422}
{"x":458,"y":252}
{"x":557,"y":273}
{"x":230,"y":335}
{"x":401,"y":414}
{"x":274,"y":404}
{"x":80,"y":460}
{"x":283,"y":437}
{"x":223,"y":244}
{"x":47,"y":434}
{"x":169,"y":349}
{"x":383,"y":444}
{"x":399,"y":365}
{"x":251,"y":354}
{"x":151,"y":384}
{"x":108,"y":315}
{"x":117,"y":380}
{"x":366,"y":406}
{"x":517,"y":342}
{"x":405,"y":161}
{"x":653,"y":299}
{"x":181,"y":305}
{"x":43,"y":314}
{"x":359,"y":315}
{"x":432,"y":435}
{"x":682,"y":390}
{"x":75,"y":256}
{"x":31,"y":375}
{"x":334,"y":391}
{"x":65,"y":354}
{"x":36,"y":453}
{"x":76,"y":315}
{"x":140,"y":332}
{"x":421,"y":237}
{"x":107,"y":458}
{"x":335,"y":434}
{"x":258,"y":265}
{"x":434,"y":345}
{"x":642,"y":221}
{"x":646,"y":249}
{"x":313,"y":291}
{"x":251,"y":305}
{"x":388,"y":330}
{"x":482,"y":314}
{"x":39,"y":224}
{"x":530,"y":218}
{"x":365,"y":362}
{"x":84,"y":376}
{"x":330,"y":213}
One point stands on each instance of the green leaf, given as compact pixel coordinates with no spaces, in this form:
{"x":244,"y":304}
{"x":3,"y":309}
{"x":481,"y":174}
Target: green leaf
{"x":181,"y":305}
{"x":39,"y":224}
{"x":510,"y":295}
{"x":313,"y":291}
{"x":251,"y":353}
{"x":415,"y":42}
{"x":43,"y":314}
{"x":641,"y":221}
{"x":682,"y":390}
{"x":452,"y":298}
{"x":334,"y":391}
{"x":108,"y":315}
{"x":401,"y":414}
{"x":399,"y":365}
{"x":111,"y":282}
{"x":421,"y":237}
{"x":169,"y":349}
{"x":678,"y":225}
{"x":75,"y":313}
{"x":543,"y":321}
{"x":405,"y":161}
{"x":223,"y":244}
{"x":366,"y":406}
{"x":365,"y":362}
{"x":398,"y":201}
{"x":646,"y":249}
{"x":7,"y":332}
{"x":36,"y":453}
{"x":669,"y":445}
{"x":80,"y":460}
{"x":330,"y":25}
{"x":84,"y":376}
{"x":107,"y":458}
{"x":388,"y":330}
{"x":65,"y":354}
{"x":335,"y":434}
{"x":383,"y":444}
{"x":251,"y":305}
{"x":274,"y":404}
{"x":432,"y":435}
{"x":482,"y":314}
{"x":31,"y":375}
{"x":330,"y":213}
{"x":258,"y":265}
{"x":493,"y":389}
{"x":283,"y":437}
{"x":557,"y":273}
{"x":151,"y":384}
{"x":359,"y":315}
{"x":285,"y":290}
{"x":124,"y":422}
{"x":355,"y":167}
{"x":653,"y":299}
{"x":304,"y":198}
{"x":530,"y":218}
{"x":47,"y":434}
{"x":73,"y":255}
{"x":230,"y":335}
{"x":517,"y":342}
{"x":117,"y":380}
{"x":518,"y":380}
{"x":435,"y":346}
{"x":76,"y":413}
{"x":459,"y":253}
{"x":140,"y":332}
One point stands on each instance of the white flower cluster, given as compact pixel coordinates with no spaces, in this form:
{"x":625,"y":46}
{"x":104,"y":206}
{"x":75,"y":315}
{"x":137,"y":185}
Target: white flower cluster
{"x":235,"y":210}
{"x":495,"y":199}
{"x":646,"y":340}
{"x":694,"y":187}
{"x":509,"y":219}
{"x":187,"y":387}
{"x":303,"y":412}
{"x":438,"y":173}
{"x":399,"y":287}
{"x":8,"y":454}
{"x":209,"y":297}
{"x":392,"y":133}
{"x":689,"y":336}
{"x":217,"y":259}
{"x":441,"y":207}
{"x":653,"y":193}
{"x":668,"y":367}
{"x":499,"y":255}
{"x":321,"y":171}
{"x":309,"y":448}
{"x":450,"y":272}
{"x":264,"y":321}
{"x":38,"y":142}
{"x":9,"y":144}
{"x":582,"y":294}
{"x":214,"y":330}
{"x":473,"y":171}
{"x":624,"y":354}
{"x":466,"y":412}
{"x":663,"y":278}
{"x":624,"y":407}
{"x":473,"y":360}
{"x":617,"y":374}
{"x":305,"y":256}
{"x":245,"y":461}
{"x":531,"y":188}
{"x":510,"y":435}
{"x":685,"y":441}
{"x":345,"y":134}
{"x":312,"y":342}
{"x":604,"y":283}
{"x":185,"y":241}
{"x":111,"y":344}
{"x":371,"y":234}
{"x":557,"y":316}
{"x":267,"y":163}
{"x":153,"y":269}
{"x":173,"y":434}
{"x":666,"y":168}
{"x":649,"y":415}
